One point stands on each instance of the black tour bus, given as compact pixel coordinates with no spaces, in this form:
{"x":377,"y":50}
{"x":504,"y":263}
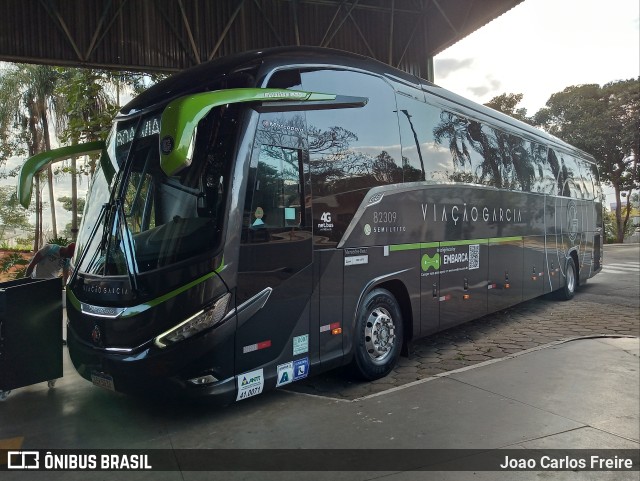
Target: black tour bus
{"x":275,"y":214}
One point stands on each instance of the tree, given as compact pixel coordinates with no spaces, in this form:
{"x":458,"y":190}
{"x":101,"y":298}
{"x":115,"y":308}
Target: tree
{"x":506,"y":103}
{"x":604,"y":121}
{"x":27,"y":97}
{"x":88,"y":109}
{"x":12,"y":215}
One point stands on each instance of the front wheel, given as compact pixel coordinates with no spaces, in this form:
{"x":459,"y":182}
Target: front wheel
{"x":378,"y":336}
{"x":570,"y":282}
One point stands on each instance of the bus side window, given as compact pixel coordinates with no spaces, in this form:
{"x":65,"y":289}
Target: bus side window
{"x":276,"y":200}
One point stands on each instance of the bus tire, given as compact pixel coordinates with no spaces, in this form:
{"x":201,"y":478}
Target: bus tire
{"x":567,"y":291}
{"x":378,"y":335}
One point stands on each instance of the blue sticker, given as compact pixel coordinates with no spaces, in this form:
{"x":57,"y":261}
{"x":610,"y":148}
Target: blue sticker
{"x":300,"y":368}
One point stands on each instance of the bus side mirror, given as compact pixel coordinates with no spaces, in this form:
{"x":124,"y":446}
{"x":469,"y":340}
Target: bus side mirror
{"x":35,"y":164}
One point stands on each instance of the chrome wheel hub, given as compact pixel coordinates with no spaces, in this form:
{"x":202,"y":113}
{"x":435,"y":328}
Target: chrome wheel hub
{"x":571,"y":279}
{"x":379,"y":334}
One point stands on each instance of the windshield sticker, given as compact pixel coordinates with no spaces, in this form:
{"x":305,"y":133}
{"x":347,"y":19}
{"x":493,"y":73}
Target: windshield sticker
{"x":258,"y":214}
{"x":250,"y":384}
{"x":300,"y":344}
{"x":285,"y":374}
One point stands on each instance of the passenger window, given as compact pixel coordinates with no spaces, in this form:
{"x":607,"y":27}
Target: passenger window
{"x":545,"y":179}
{"x":422,"y":157}
{"x":276,"y":199}
{"x":352,"y":149}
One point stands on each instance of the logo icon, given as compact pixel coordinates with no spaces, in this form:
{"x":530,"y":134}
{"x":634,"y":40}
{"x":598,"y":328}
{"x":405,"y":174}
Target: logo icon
{"x":572,"y":221}
{"x":367,"y":229}
{"x":300,"y":368}
{"x":166,"y":144}
{"x":428,"y":262}
{"x":285,"y":374}
{"x":96,"y":335}
{"x":23,"y":459}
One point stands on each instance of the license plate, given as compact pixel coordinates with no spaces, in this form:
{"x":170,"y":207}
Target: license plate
{"x":102,"y":380}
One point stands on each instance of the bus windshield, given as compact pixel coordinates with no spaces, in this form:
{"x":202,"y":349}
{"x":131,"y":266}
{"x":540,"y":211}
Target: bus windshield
{"x":145,"y":219}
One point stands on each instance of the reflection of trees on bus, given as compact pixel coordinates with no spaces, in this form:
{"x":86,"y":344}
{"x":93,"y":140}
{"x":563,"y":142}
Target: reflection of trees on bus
{"x":488,"y":156}
{"x":335,"y":163}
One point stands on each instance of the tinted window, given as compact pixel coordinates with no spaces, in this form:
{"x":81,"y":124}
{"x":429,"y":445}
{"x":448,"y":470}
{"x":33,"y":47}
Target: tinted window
{"x":352,"y":149}
{"x":570,"y":176}
{"x":422,"y":157}
{"x":276,"y":199}
{"x":544,"y":181}
{"x":465,"y":141}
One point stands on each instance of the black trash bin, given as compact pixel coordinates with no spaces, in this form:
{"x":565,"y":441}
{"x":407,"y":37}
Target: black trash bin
{"x":30,"y":332}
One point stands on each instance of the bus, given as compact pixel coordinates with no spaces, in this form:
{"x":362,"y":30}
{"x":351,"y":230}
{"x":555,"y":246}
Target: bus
{"x":275,"y":214}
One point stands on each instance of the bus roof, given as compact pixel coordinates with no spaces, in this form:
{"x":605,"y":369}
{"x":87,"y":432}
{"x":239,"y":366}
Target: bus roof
{"x":261,"y":63}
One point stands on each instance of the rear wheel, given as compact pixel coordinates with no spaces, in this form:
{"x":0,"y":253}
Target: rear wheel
{"x":378,"y":336}
{"x":570,"y":282}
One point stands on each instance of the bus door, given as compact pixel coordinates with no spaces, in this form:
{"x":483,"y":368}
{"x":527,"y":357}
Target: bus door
{"x":275,"y":256}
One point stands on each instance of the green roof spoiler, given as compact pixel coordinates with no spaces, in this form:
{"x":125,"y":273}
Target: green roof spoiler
{"x":181,"y":116}
{"x":35,"y":164}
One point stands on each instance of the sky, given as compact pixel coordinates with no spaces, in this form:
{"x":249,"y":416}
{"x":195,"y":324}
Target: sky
{"x":542,"y":46}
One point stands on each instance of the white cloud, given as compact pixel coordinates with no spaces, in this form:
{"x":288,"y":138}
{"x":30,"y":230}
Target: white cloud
{"x":542,"y":46}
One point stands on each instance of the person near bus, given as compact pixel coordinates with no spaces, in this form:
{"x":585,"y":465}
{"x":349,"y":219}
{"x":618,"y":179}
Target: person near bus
{"x":51,"y":261}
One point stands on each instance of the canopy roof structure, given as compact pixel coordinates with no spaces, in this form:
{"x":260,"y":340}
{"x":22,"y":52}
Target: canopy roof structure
{"x":170,"y":35}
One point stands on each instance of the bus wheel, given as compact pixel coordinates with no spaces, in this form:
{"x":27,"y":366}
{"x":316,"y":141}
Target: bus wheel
{"x":378,"y":337}
{"x":570,"y":281}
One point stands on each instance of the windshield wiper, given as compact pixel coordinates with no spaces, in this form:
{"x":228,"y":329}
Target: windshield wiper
{"x":127,"y":247}
{"x":101,"y":215}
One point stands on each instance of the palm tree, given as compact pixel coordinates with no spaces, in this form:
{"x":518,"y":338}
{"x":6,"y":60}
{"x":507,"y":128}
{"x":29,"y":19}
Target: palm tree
{"x":27,"y":96}
{"x":87,"y":109}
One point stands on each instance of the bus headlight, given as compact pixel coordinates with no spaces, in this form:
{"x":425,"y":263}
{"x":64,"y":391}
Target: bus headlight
{"x":200,"y":321}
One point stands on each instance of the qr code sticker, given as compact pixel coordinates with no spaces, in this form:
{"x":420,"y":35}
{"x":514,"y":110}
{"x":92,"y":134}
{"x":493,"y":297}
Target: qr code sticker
{"x":474,"y":256}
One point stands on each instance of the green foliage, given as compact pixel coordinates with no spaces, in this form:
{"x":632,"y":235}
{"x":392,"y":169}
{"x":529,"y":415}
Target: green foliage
{"x":507,"y":103}
{"x":11,"y":212}
{"x":12,"y":260}
{"x":60,"y":241}
{"x":604,"y":121}
{"x":67,"y":201}
{"x":610,"y":228}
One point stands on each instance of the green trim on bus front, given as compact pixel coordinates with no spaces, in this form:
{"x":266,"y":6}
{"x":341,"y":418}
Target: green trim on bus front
{"x":431,"y":245}
{"x":135,"y":310}
{"x":35,"y":164}
{"x":75,"y":302}
{"x":180,"y":118}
